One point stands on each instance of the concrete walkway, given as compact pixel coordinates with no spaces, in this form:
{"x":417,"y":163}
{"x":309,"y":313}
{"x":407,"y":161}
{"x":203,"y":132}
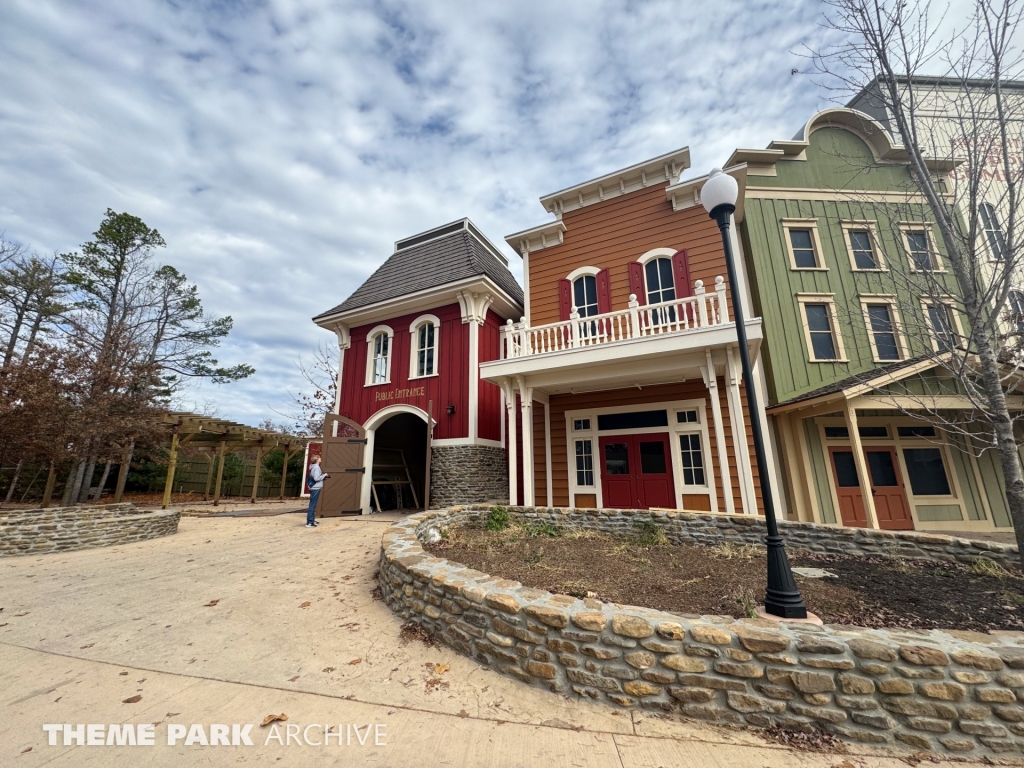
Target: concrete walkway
{"x":236,"y":618}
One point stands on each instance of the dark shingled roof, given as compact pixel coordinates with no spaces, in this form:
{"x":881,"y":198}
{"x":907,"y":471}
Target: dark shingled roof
{"x":448,"y":259}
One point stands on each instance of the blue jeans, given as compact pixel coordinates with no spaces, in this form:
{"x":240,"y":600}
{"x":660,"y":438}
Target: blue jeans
{"x":314,"y":496}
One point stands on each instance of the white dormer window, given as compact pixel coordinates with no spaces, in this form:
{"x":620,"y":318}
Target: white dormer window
{"x":424,"y":332}
{"x":378,"y":351}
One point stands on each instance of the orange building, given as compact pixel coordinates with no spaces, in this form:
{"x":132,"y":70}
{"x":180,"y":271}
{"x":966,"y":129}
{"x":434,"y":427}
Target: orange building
{"x":624,"y":368}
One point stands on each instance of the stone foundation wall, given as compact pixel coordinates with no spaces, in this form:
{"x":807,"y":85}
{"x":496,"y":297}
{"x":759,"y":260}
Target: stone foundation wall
{"x":467,"y":474}
{"x":61,"y":529}
{"x":946,"y":691}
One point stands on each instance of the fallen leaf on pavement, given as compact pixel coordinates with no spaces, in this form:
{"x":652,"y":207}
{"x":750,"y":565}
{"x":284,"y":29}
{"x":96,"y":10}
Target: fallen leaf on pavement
{"x":354,"y":662}
{"x":211,"y":603}
{"x":305,"y":604}
{"x":132,"y":699}
{"x":172,"y":714}
{"x":26,"y":749}
{"x":90,"y":645}
{"x":122,"y":674}
{"x":293,"y":679}
{"x":273,"y":718}
{"x":328,"y":669}
{"x":463,"y":713}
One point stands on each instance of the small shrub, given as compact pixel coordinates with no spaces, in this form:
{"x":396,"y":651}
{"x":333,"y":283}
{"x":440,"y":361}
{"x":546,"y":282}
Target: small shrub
{"x":895,"y":557}
{"x":729,"y":551}
{"x":648,"y":534}
{"x":497,"y":519}
{"x":544,"y":529}
{"x":943,"y":573}
{"x":748,"y":603}
{"x":982,"y":566}
{"x":534,"y":559}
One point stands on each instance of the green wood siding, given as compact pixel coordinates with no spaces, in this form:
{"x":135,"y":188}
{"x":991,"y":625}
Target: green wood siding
{"x":821,"y":471}
{"x":836,"y":159}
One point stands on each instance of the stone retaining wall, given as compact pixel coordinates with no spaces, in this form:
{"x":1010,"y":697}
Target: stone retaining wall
{"x":61,"y":529}
{"x":467,"y":474}
{"x":946,"y":691}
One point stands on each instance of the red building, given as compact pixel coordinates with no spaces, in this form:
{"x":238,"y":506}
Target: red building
{"x":411,"y":401}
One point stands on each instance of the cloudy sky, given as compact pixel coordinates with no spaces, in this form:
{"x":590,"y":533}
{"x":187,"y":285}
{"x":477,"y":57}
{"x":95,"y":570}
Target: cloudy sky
{"x":282,"y":146}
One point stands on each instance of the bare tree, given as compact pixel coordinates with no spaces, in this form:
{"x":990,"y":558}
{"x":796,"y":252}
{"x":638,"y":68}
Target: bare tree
{"x":318,"y":397}
{"x":965,"y":167}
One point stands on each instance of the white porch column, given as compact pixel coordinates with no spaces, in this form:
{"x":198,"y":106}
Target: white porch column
{"x":513,"y":458}
{"x":526,"y":397}
{"x":711,"y":381}
{"x":547,"y":454}
{"x":364,"y":495}
{"x":474,"y":379}
{"x":862,"y":466}
{"x":739,"y":436}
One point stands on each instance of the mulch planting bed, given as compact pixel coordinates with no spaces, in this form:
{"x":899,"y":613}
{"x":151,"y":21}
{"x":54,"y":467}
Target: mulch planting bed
{"x":729,"y":580}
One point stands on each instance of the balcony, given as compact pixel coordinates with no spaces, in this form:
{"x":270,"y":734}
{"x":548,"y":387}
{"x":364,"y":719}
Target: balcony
{"x":636,"y":346}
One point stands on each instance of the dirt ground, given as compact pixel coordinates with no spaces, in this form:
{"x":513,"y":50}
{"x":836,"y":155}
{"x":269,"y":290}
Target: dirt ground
{"x":729,"y":579}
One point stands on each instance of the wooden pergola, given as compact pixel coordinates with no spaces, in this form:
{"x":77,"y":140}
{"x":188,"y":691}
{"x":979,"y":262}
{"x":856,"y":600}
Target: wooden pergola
{"x":214,"y":438}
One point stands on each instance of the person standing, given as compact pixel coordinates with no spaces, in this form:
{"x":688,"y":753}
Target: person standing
{"x":316,"y":481}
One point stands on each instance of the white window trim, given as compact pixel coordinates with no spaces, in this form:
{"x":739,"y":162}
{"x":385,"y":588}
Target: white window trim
{"x":371,"y":336}
{"x":657,"y":253}
{"x":582,"y":272}
{"x":950,"y":302}
{"x":819,"y":254}
{"x":821,"y":298}
{"x":926,"y":227}
{"x":414,"y":328}
{"x":673,"y":429}
{"x":984,"y":232}
{"x":876,"y":244}
{"x":889,"y":300}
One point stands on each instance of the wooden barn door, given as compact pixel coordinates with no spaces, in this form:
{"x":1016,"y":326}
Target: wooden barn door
{"x":342,"y":454}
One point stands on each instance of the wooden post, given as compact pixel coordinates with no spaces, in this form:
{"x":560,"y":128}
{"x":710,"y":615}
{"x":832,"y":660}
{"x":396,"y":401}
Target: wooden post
{"x":256,"y":472}
{"x":284,"y":469}
{"x":430,"y":439}
{"x":172,"y":462}
{"x":51,"y":480}
{"x":209,"y":474}
{"x":862,"y":466}
{"x":223,"y":452}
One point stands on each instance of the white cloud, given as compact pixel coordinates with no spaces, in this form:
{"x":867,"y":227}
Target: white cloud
{"x":281,"y":147}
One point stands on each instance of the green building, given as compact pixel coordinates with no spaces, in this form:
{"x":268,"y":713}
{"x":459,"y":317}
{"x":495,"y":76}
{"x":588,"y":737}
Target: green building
{"x":847,"y":272}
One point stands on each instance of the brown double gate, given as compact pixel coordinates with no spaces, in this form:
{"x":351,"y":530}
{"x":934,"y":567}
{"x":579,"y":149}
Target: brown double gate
{"x":342,"y":458}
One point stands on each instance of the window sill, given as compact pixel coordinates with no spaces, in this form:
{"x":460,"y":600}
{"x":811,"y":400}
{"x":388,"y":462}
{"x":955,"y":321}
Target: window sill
{"x":427,"y":376}
{"x":833,"y":360}
{"x":377,"y":384}
{"x":808,"y":269}
{"x":870,"y":271}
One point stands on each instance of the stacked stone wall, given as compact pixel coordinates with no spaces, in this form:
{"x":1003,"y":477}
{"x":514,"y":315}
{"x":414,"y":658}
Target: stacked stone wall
{"x":62,"y":529}
{"x":946,"y":691}
{"x":467,"y":474}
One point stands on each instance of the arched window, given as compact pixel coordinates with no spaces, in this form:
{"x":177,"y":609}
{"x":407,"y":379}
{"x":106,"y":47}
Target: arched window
{"x":378,"y":351}
{"x":994,"y":232}
{"x":584,"y":295}
{"x":660,"y":283}
{"x":424,"y":332}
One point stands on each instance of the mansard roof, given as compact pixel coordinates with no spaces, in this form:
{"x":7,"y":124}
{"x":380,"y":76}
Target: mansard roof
{"x":431,"y":259}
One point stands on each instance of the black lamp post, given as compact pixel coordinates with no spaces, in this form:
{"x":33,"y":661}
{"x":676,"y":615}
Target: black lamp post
{"x":782,"y":598}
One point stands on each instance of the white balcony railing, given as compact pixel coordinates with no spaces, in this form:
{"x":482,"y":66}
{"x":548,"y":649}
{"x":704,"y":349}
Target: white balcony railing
{"x":700,"y":311}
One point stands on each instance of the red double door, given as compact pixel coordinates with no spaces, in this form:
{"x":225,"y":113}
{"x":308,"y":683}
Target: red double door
{"x":636,"y":472}
{"x":887,"y":489}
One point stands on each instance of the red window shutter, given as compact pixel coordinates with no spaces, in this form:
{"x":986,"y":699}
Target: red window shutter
{"x":564,"y":299}
{"x":604,"y":291}
{"x":636,"y":281}
{"x":681,"y":271}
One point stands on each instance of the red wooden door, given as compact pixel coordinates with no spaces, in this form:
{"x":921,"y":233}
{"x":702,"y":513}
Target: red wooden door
{"x":654,"y":460}
{"x":636,"y":471}
{"x":618,"y":484}
{"x":887,"y":489}
{"x":851,"y":500}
